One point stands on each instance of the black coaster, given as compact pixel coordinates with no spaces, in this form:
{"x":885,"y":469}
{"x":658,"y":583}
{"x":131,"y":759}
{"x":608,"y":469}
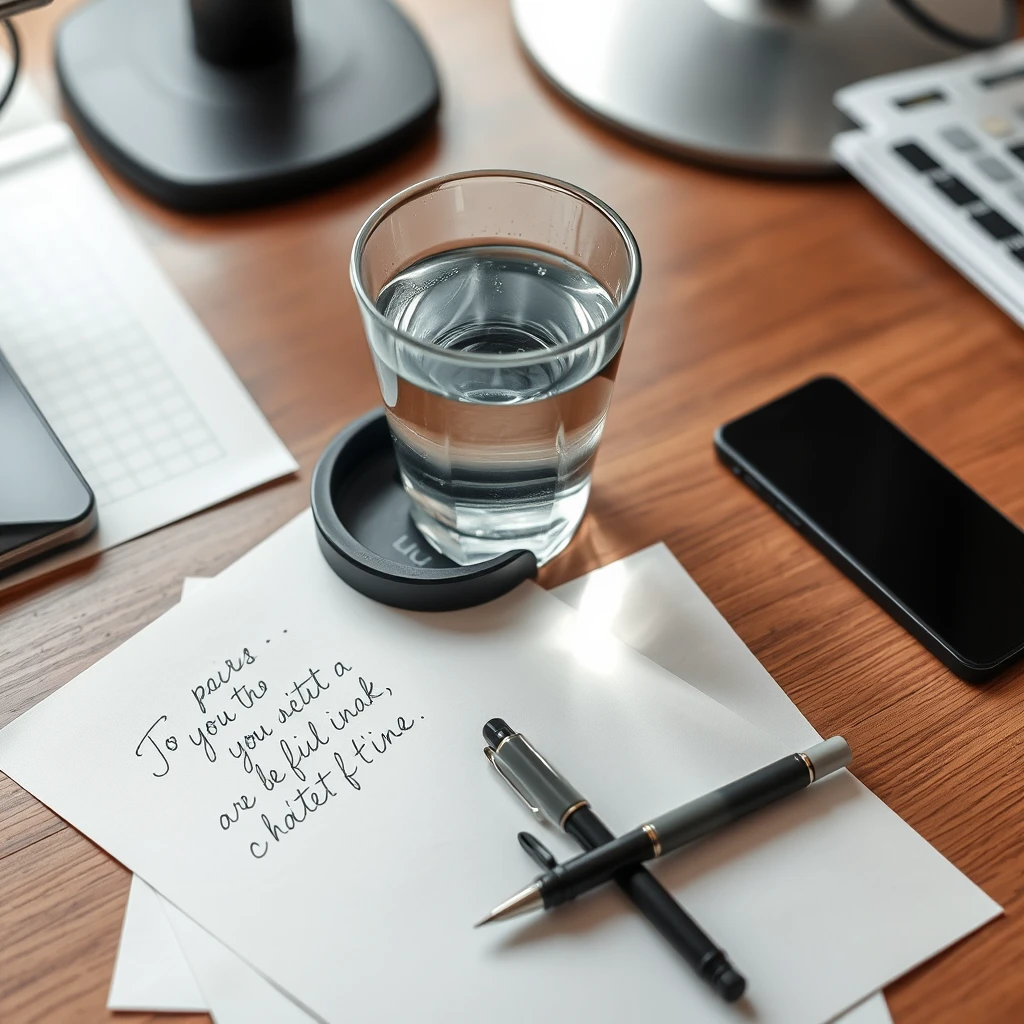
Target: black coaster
{"x":369,"y":539}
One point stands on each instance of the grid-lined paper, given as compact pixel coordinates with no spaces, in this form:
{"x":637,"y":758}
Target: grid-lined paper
{"x":92,"y":368}
{"x":131,"y":383}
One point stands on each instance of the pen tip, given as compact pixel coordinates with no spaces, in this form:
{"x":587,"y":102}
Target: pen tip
{"x":531,"y":898}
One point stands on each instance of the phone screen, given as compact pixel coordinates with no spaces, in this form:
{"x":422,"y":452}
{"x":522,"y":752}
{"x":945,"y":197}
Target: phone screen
{"x":885,"y":505}
{"x":38,"y":482}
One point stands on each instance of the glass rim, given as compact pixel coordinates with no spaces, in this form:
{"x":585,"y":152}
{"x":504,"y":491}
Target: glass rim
{"x":378,"y":216}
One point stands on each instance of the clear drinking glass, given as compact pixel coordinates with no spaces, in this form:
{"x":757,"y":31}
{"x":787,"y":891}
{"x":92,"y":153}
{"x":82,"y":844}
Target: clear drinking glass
{"x":495,"y":305}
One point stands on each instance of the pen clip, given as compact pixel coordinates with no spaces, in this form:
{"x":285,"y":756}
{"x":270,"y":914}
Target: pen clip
{"x":534,"y":810}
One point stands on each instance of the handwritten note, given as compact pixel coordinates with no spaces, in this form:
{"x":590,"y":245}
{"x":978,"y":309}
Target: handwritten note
{"x":299,"y":771}
{"x":647,"y":600}
{"x":273,"y":730}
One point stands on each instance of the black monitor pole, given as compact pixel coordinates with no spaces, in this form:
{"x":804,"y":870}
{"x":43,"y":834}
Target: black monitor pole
{"x":217,"y":104}
{"x":244,"y":33}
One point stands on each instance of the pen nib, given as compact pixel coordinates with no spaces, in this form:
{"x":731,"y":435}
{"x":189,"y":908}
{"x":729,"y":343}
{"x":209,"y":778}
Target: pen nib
{"x":524,"y":902}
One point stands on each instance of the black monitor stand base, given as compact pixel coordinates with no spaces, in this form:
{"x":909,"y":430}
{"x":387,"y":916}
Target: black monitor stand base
{"x":221,"y":104}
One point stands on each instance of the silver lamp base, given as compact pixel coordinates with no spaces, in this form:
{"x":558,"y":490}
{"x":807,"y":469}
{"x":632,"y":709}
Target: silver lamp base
{"x":746,"y":84}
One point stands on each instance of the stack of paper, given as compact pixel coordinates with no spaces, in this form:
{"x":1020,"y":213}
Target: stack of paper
{"x":309,"y":880}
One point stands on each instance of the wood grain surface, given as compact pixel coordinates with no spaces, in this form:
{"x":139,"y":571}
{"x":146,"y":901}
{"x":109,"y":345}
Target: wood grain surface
{"x":750,"y":286}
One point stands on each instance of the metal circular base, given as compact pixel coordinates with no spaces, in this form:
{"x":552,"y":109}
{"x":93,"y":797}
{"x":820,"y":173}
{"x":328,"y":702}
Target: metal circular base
{"x":746,"y":84}
{"x":197,"y":136}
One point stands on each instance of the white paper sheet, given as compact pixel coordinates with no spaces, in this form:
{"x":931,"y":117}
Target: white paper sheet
{"x":652,"y":603}
{"x":649,"y":601}
{"x":151,"y":970}
{"x":382,"y":884}
{"x":132,"y":384}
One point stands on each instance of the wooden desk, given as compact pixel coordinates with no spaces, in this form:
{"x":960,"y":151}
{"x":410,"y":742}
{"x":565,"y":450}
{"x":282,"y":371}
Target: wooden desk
{"x":749,"y":287}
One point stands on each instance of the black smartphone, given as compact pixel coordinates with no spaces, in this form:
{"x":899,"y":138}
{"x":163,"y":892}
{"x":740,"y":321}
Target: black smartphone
{"x":947,"y":565}
{"x":45,"y":502}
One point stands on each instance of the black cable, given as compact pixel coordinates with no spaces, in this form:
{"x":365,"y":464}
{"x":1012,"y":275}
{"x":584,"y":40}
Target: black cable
{"x":12,"y":36}
{"x":933,"y":26}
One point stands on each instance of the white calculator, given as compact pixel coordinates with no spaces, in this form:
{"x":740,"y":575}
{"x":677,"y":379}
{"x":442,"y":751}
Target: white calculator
{"x":943,"y":147}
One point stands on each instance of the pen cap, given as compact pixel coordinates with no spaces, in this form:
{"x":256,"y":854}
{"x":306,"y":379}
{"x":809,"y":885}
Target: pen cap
{"x":829,"y":756}
{"x":536,"y":781}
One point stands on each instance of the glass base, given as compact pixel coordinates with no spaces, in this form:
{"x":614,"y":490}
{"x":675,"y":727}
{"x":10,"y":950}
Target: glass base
{"x":488,"y":533}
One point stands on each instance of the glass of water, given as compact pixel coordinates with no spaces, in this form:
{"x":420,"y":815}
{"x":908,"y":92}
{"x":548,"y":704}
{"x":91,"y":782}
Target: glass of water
{"x":495,"y":305}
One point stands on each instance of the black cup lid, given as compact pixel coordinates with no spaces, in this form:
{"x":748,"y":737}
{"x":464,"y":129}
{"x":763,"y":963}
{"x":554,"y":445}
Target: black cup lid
{"x":369,"y":539}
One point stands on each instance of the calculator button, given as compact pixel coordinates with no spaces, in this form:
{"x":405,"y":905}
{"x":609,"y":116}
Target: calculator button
{"x":955,"y":190}
{"x":916,"y":157}
{"x":996,"y":224}
{"x":1017,"y":254}
{"x":997,"y":127}
{"x":1018,"y":194}
{"x":959,"y":139}
{"x":994,"y":169}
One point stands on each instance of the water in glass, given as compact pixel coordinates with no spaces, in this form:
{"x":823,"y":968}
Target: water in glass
{"x":497,"y":456}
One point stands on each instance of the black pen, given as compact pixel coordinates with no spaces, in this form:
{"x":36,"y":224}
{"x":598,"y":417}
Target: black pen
{"x":548,"y":794}
{"x":675,"y":828}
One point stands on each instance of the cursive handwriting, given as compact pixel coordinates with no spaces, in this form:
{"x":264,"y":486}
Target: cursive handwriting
{"x":247,"y":696}
{"x":302,"y":694}
{"x":208,"y":730}
{"x":214,"y":683}
{"x":294,"y":756}
{"x":311,"y":799}
{"x":368,"y":695}
{"x":243,"y":803}
{"x":169,"y":743}
{"x":296,"y":763}
{"x":244,"y":747}
{"x":381,"y":743}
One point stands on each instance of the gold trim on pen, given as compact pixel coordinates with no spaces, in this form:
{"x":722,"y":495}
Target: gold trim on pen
{"x":810,"y":766}
{"x":652,"y":835}
{"x":571,"y":811}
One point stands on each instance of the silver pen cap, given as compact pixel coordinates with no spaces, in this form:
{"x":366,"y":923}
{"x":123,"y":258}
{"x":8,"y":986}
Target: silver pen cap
{"x":829,"y":756}
{"x":538,"y":785}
